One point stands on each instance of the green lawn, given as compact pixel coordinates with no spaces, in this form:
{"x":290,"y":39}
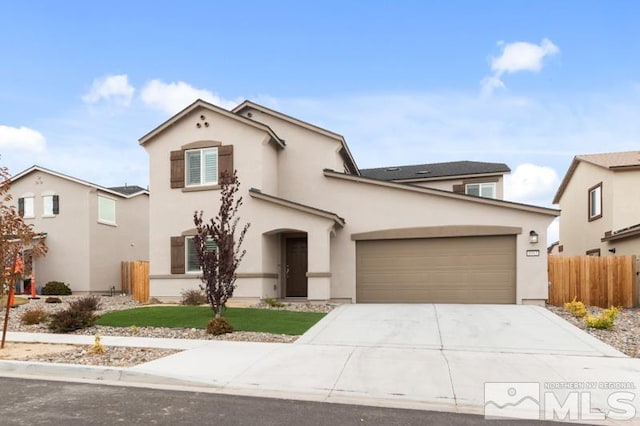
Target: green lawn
{"x":243,"y":319}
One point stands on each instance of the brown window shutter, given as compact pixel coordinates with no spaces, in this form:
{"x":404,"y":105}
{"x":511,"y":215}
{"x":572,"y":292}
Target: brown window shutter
{"x":459,"y":189}
{"x":21,"y":206}
{"x":177,"y":255}
{"x":56,"y":204}
{"x":225,"y":160}
{"x":177,"y":169}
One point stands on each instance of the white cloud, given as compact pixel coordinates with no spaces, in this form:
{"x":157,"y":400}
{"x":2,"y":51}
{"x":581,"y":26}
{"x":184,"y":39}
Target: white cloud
{"x":21,"y":138}
{"x":173,"y":97}
{"x":110,"y":88}
{"x":516,"y":57}
{"x":531,"y":184}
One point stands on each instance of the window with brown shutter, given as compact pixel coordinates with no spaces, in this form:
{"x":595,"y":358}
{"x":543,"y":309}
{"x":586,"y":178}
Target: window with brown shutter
{"x":459,"y":189}
{"x":177,"y":169}
{"x":177,"y":255}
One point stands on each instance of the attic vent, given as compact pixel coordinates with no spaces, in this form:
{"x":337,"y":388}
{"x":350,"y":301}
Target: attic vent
{"x":393,"y":169}
{"x":423,"y":172}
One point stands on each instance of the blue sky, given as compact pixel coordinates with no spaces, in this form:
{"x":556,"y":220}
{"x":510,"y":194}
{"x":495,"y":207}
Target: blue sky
{"x":530,"y":84}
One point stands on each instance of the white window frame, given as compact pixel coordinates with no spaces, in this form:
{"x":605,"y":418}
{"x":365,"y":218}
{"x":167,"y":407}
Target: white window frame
{"x":595,"y":202}
{"x":101,"y":218}
{"x":481,"y":187}
{"x":203,"y":172}
{"x":31,"y":201}
{"x":186,"y":255}
{"x":47,"y":196}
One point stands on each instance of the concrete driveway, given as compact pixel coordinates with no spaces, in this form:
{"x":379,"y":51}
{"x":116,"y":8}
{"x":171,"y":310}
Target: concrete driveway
{"x":479,"y":328}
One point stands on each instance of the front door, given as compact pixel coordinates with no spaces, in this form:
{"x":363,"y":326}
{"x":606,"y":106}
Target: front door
{"x":296,"y":267}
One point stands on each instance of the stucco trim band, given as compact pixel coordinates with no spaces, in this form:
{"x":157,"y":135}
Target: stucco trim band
{"x":240,"y":275}
{"x":437,"y":232}
{"x":318,"y":274}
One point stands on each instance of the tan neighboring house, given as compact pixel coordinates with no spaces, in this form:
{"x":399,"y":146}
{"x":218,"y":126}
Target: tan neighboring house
{"x":599,"y":204}
{"x":464,"y":177}
{"x":89,"y":229}
{"x":321,"y":229}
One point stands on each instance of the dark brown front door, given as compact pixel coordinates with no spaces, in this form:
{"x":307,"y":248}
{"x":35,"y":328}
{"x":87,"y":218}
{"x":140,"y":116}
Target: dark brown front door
{"x":296,"y":267}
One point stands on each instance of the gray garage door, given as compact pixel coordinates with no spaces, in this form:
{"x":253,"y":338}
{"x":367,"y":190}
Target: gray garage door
{"x":437,"y":270}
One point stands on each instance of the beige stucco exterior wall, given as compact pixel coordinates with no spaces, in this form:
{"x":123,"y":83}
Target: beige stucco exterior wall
{"x":577,"y":234}
{"x":171,"y":210}
{"x":128,"y":240}
{"x":67,"y":233}
{"x":421,"y":210}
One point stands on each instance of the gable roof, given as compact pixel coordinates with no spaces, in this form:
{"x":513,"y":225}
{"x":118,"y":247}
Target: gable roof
{"x":614,"y":161}
{"x":442,"y":193}
{"x":345,"y":152}
{"x":199,"y":103}
{"x":434,"y":170}
{"x":256,"y":193}
{"x":112,"y":191}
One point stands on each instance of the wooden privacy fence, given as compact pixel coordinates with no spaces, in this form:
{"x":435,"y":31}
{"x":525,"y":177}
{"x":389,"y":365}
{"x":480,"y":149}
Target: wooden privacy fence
{"x":135,"y":280}
{"x":595,"y":281}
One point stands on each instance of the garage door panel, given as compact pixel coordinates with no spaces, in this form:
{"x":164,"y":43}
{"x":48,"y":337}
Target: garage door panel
{"x":438,"y":270}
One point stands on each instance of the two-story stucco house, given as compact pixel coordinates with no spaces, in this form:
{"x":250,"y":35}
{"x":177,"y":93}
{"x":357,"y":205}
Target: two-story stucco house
{"x":323,"y":230}
{"x":89,"y":229}
{"x":600,"y":208}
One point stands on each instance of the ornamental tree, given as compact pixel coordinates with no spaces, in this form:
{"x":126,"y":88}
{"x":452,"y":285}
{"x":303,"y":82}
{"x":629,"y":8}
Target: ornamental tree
{"x":16,"y":236}
{"x":218,"y":245}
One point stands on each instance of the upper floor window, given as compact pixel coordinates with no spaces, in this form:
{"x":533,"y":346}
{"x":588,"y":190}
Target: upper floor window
{"x":487,"y":190}
{"x":26,"y":207}
{"x":50,"y":205}
{"x":201,"y":166}
{"x":595,"y":202}
{"x":106,"y":210}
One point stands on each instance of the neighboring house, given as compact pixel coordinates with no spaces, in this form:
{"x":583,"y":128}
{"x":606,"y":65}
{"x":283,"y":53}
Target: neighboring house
{"x":320,"y":229}
{"x":89,"y":229}
{"x":465,"y":177}
{"x":599,"y":204}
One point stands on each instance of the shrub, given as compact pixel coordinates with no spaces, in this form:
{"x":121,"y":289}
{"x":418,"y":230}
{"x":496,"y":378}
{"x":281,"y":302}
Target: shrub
{"x":87,"y":303}
{"x":575,"y":308}
{"x":52,"y":300}
{"x":34,"y":316}
{"x":56,"y":288}
{"x":79,"y":314}
{"x":219,"y":326}
{"x":604,"y":320}
{"x":193,"y":298}
{"x":273,"y":302}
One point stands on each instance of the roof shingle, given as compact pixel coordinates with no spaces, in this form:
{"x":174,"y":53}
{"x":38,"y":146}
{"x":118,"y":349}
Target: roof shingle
{"x":434,"y":170}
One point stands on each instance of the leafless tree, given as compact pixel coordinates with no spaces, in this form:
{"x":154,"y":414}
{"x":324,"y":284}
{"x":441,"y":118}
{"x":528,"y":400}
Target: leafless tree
{"x":218,"y":247}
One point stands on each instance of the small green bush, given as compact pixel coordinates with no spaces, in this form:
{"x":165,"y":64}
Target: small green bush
{"x":79,"y":314}
{"x":34,"y":316}
{"x":575,"y":308}
{"x":56,"y":288}
{"x":219,"y":326}
{"x":193,"y":298}
{"x":52,"y":300}
{"x":273,"y":302}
